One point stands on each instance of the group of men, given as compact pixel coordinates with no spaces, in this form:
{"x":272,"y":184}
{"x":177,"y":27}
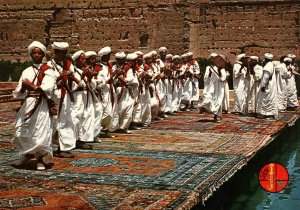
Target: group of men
{"x":259,"y":90}
{"x":71,"y":102}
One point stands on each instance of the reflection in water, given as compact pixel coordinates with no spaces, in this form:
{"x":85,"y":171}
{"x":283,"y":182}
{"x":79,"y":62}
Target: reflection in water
{"x":243,"y":192}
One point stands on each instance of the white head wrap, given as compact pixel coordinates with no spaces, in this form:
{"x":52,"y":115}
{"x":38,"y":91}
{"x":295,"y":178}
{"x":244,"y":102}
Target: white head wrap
{"x":184,"y":55}
{"x":36,"y":44}
{"x":77,"y":55}
{"x":254,"y":58}
{"x":190,"y":54}
{"x":120,"y":55}
{"x":104,"y":51}
{"x":268,"y":56}
{"x":162,"y":49}
{"x":169,"y":56}
{"x":212,"y":55}
{"x":90,"y":53}
{"x":176,"y":57}
{"x":292,"y":56}
{"x":153,"y":52}
{"x":240,"y":56}
{"x":288,"y":59}
{"x":148,"y":55}
{"x":139,"y":53}
{"x":131,"y":56}
{"x":60,"y":45}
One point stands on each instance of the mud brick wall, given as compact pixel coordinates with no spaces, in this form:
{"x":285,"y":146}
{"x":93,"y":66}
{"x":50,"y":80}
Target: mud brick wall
{"x":202,"y":26}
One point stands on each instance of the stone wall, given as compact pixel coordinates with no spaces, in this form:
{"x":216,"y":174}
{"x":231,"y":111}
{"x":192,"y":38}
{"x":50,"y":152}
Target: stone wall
{"x":202,"y":26}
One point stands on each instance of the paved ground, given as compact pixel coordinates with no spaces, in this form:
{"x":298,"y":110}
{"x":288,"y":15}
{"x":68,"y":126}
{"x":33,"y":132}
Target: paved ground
{"x":177,"y":163}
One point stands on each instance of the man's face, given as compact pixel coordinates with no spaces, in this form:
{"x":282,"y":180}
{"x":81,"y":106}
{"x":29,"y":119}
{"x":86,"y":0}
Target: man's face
{"x":244,"y":60}
{"x":81,"y":61}
{"x":121,"y":61}
{"x":154,"y":56}
{"x":105,"y":58}
{"x":91,"y":60}
{"x":252,"y":62}
{"x":139,"y":59}
{"x":184,"y":59}
{"x":148,"y":60}
{"x":37,"y":55}
{"x":163,"y":54}
{"x":60,"y":55}
{"x":176,"y":61}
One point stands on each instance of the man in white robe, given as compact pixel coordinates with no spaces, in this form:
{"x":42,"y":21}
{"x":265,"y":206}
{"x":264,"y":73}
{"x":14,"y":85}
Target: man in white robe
{"x":105,"y":83}
{"x":176,"y":84}
{"x":255,"y":77}
{"x":213,"y":93}
{"x":83,"y":110}
{"x":126,"y":95}
{"x":292,"y":98}
{"x":63,"y":95}
{"x":91,"y":59}
{"x":282,"y":74}
{"x":267,"y":101}
{"x":137,"y":109}
{"x":195,"y":80}
{"x":241,"y":79}
{"x":34,"y":123}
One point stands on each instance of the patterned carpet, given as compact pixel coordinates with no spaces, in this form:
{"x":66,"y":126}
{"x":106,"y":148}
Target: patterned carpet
{"x":175,"y":164}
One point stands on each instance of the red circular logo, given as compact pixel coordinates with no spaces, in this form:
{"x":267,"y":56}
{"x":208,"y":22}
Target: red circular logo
{"x":273,"y":177}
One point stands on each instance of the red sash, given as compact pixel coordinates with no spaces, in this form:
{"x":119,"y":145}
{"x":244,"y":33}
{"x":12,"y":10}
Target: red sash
{"x":97,"y":68}
{"x":64,"y":79}
{"x":40,"y":77}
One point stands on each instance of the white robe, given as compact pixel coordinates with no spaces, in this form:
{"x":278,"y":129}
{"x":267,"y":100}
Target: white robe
{"x":83,"y":111}
{"x":188,"y":85}
{"x":145,"y":100}
{"x":195,"y":82}
{"x":123,"y":115}
{"x":213,"y":93}
{"x":292,"y":99}
{"x":226,"y":101}
{"x":282,"y":74}
{"x":64,"y":123}
{"x":107,"y":105}
{"x":241,"y":87}
{"x":34,"y":136}
{"x":267,"y":103}
{"x":254,"y":89}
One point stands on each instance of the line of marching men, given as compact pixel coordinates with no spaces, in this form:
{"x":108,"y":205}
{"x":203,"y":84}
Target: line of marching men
{"x":71,"y":102}
{"x":259,"y":90}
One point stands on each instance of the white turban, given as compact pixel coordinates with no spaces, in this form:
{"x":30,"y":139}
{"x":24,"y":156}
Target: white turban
{"x":169,"y":56}
{"x":131,"y":56}
{"x":184,"y":55}
{"x":240,"y":56}
{"x":153,"y":52}
{"x":36,"y":44}
{"x":292,"y":56}
{"x":60,"y":45}
{"x":162,"y":49}
{"x":176,"y":57}
{"x":148,"y":55}
{"x":189,"y":54}
{"x":268,"y":56}
{"x":77,"y":55}
{"x":120,"y":55}
{"x":287,"y":59}
{"x":90,"y":53}
{"x":104,"y":51}
{"x":254,"y":58}
{"x":212,"y":55}
{"x":139,"y":53}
